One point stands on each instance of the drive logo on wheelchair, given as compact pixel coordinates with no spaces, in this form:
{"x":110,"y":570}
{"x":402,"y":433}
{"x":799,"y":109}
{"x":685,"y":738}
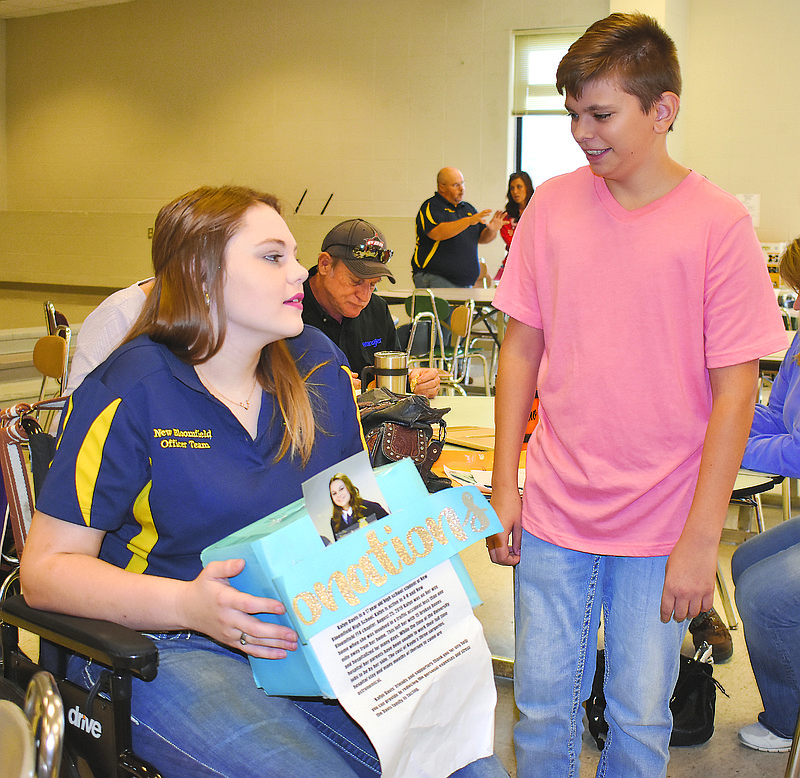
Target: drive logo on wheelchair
{"x":82,"y":721}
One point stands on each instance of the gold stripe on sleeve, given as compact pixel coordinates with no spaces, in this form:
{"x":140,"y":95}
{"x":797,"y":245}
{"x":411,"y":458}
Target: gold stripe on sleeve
{"x":355,"y":400}
{"x":89,"y":459}
{"x":429,"y":217}
{"x":142,"y":544}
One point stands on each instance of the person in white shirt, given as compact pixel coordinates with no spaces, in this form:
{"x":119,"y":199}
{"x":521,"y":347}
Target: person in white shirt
{"x":104,"y":329}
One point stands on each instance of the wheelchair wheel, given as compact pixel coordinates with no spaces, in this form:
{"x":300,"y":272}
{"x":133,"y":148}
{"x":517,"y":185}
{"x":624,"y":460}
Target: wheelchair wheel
{"x":69,"y":769}
{"x":10,"y":691}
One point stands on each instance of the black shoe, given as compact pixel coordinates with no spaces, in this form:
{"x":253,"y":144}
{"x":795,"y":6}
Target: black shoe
{"x":708,"y":627}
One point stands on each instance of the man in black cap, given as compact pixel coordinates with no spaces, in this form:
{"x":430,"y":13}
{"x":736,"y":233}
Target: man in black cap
{"x":339,"y":301}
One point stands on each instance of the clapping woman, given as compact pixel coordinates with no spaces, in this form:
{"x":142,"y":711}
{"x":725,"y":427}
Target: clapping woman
{"x":520,"y":191}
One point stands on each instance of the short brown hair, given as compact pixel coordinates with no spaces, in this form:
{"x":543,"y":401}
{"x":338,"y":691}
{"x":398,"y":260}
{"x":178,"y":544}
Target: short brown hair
{"x":790,"y":265}
{"x":790,"y":269}
{"x":630,"y":47}
{"x":190,"y":238}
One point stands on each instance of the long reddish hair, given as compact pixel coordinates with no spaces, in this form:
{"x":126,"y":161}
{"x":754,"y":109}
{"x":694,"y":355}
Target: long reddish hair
{"x":190,"y":238}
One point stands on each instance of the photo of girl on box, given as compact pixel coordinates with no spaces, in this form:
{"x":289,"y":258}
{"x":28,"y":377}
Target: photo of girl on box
{"x":350,"y":509}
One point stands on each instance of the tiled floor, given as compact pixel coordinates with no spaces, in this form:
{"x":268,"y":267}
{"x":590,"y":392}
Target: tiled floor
{"x":720,"y":757}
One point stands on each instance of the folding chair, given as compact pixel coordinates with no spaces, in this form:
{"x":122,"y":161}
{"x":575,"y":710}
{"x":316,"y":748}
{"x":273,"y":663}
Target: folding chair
{"x":50,"y":355}
{"x":53,"y":319}
{"x":98,"y":729}
{"x":746,"y":494}
{"x":421,"y":306}
{"x":57,"y":325}
{"x":462,"y":353}
{"x":426,"y":309}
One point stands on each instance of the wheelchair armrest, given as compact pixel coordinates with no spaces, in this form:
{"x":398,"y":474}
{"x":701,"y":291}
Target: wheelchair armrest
{"x":113,"y":645}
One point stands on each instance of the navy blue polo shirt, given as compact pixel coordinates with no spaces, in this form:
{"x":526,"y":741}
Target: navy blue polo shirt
{"x":149,"y":456}
{"x":455,"y":259}
{"x":359,"y":338}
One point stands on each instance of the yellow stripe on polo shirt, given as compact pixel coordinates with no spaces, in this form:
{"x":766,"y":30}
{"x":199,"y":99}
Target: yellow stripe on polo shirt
{"x":432,"y":252}
{"x":429,"y":217}
{"x":142,"y":544}
{"x":89,"y":459}
{"x":355,"y":400}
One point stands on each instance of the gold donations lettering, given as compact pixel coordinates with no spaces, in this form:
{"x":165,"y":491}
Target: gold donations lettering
{"x":476,"y":516}
{"x":376,"y":567}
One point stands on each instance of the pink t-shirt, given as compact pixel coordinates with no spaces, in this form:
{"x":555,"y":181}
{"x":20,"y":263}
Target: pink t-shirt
{"x":635,"y":306}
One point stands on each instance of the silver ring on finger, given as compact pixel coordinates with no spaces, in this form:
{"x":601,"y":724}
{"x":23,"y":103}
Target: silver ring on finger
{"x":243,"y":639}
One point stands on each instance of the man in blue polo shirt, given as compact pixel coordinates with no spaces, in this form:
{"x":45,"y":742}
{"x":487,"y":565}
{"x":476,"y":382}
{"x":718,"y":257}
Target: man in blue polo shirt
{"x":448,"y":233}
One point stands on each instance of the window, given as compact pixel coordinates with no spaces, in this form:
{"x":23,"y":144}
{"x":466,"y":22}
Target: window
{"x":545,"y":147}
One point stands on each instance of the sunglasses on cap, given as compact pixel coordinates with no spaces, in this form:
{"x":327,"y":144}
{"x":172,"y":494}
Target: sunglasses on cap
{"x":367,"y":250}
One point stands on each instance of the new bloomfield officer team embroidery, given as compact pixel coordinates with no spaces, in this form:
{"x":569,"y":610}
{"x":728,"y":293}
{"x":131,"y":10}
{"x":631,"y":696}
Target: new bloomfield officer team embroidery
{"x":175,"y":438}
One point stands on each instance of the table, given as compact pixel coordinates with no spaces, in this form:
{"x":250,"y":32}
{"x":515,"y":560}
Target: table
{"x":479,"y":412}
{"x":481,"y":296}
{"x":464,"y":411}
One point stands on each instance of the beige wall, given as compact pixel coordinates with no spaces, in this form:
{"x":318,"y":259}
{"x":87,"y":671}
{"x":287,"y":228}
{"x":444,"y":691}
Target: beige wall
{"x":112,"y":111}
{"x":742,"y":104}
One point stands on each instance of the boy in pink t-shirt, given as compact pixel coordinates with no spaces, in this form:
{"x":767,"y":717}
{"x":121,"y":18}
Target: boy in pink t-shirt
{"x":639,"y":305}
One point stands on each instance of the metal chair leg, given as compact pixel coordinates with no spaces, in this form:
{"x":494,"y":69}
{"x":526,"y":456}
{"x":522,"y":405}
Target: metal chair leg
{"x":730,"y":614}
{"x":759,"y":513}
{"x":786,"y":494}
{"x":793,"y":766}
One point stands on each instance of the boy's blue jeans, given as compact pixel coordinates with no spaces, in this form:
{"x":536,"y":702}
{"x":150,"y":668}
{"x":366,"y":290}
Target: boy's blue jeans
{"x":203,"y":716}
{"x":766,"y":572}
{"x":560,"y":595}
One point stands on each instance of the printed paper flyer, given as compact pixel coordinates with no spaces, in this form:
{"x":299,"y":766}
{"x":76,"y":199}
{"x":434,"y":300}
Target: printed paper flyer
{"x":413,"y":669}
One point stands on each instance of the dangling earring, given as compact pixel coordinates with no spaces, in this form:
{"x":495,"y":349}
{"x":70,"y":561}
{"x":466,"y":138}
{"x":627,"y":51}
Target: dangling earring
{"x":208,"y":299}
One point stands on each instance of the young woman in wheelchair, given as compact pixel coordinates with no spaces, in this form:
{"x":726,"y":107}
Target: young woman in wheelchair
{"x":209,"y":416}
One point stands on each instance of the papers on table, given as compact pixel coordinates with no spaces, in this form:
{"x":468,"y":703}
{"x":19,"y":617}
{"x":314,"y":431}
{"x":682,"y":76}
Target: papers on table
{"x":480,"y":478}
{"x":478,"y":438}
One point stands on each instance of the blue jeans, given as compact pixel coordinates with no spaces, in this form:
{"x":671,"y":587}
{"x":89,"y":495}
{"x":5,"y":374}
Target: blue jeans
{"x":204,"y":716}
{"x":766,"y":573}
{"x":560,"y":595}
{"x":431,"y":281}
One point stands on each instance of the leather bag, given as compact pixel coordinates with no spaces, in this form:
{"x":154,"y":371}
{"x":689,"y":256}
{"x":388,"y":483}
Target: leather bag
{"x":398,"y":426}
{"x":42,"y":448}
{"x":692,"y":703}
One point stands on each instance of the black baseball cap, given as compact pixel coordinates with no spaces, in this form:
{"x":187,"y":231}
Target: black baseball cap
{"x":362,"y":248}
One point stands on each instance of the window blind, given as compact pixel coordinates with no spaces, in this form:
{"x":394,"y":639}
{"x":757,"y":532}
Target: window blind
{"x":536,"y":57}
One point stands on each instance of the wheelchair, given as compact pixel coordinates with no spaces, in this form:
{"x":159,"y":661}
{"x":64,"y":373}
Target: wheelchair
{"x":97,"y":739}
